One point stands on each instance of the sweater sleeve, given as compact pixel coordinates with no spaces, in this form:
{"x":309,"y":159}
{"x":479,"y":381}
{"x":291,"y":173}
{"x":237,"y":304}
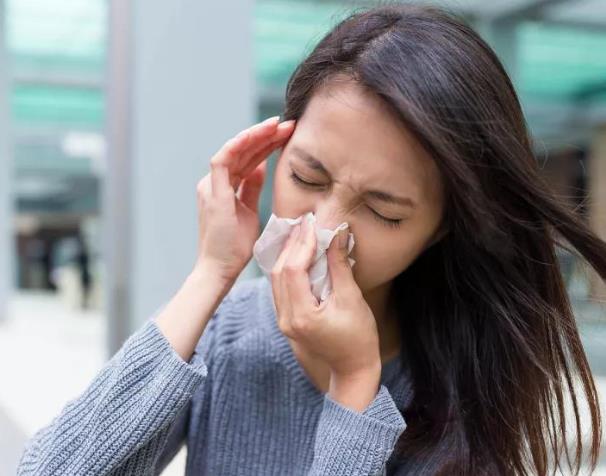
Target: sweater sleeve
{"x":356,"y":444}
{"x":130,"y":420}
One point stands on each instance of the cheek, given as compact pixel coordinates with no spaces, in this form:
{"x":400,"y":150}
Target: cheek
{"x":377,"y":253}
{"x":381,"y":256}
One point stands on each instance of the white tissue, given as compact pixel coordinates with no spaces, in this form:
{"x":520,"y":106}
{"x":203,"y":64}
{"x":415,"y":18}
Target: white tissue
{"x":268,"y":247}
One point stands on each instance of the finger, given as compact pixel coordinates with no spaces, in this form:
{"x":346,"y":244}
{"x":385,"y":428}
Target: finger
{"x":251,"y":188}
{"x":203,"y":189}
{"x":279,"y":138}
{"x":296,"y":269}
{"x":341,"y":274}
{"x":260,"y":135}
{"x":287,"y":302}
{"x":282,"y":304}
{"x":230,"y":154}
{"x":222,"y":181}
{"x":264,"y":153}
{"x":258,"y":154}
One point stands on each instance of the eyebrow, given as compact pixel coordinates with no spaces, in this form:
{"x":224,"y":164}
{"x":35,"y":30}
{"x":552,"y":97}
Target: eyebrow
{"x":386,"y":197}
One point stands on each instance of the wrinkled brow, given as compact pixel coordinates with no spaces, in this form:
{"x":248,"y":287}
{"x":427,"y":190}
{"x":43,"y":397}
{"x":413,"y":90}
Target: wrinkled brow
{"x":381,"y":195}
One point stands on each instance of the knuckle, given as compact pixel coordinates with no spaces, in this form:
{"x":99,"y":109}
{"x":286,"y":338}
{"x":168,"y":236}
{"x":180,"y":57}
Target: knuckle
{"x":290,"y":269}
{"x":286,"y":328}
{"x":215,"y":162}
{"x":275,"y":272}
{"x":300,"y":324}
{"x":342,"y":259}
{"x":229,"y":146}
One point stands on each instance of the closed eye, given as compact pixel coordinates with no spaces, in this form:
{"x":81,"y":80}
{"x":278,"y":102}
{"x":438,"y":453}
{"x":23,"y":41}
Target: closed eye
{"x":384,"y":220}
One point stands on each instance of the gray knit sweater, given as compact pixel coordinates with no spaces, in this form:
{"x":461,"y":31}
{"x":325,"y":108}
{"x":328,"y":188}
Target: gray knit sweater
{"x":242,"y":404}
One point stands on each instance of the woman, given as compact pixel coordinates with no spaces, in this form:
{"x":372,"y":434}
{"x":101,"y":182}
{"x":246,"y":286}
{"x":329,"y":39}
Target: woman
{"x":449,"y":348}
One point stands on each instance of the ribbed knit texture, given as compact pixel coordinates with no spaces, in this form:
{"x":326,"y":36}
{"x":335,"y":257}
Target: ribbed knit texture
{"x":242,"y":404}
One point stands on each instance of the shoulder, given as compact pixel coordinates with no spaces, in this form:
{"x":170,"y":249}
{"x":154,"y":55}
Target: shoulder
{"x":245,"y":309}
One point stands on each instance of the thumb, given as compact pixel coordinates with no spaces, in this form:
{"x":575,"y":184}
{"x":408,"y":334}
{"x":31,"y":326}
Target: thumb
{"x":341,"y":275}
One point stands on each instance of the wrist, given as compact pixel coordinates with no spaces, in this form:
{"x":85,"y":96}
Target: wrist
{"x":209,"y":276}
{"x":355,"y":390}
{"x":186,"y":315}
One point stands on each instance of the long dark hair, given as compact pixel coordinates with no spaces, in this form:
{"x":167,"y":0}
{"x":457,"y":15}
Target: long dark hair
{"x":487,"y":327}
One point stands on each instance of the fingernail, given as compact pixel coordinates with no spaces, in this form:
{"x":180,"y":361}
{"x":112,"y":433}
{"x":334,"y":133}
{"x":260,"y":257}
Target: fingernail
{"x":271,"y":119}
{"x":343,"y":237}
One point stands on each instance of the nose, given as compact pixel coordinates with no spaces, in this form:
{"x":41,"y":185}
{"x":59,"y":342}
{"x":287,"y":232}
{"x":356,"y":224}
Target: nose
{"x":330,"y":214}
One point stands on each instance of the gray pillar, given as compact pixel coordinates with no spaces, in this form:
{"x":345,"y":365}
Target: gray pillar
{"x":6,"y":171}
{"x":180,"y":83}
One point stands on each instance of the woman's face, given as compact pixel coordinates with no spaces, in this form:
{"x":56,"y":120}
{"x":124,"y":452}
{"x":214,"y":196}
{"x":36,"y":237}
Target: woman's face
{"x":355,"y":154}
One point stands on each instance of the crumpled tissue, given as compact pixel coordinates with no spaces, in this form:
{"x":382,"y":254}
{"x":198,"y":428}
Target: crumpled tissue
{"x":268,"y":247}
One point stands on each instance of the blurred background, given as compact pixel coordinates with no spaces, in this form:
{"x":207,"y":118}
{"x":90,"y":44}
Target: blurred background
{"x":111,"y":110}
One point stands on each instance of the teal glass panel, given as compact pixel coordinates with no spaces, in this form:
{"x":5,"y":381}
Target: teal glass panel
{"x":559,"y":63}
{"x":60,"y":105}
{"x":66,"y":36}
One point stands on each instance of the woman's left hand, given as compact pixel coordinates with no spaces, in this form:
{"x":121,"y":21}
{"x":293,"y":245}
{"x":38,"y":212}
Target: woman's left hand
{"x":342,"y":330}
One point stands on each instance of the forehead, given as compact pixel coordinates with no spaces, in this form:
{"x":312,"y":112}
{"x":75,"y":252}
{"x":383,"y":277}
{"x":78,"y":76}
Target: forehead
{"x":359,"y":140}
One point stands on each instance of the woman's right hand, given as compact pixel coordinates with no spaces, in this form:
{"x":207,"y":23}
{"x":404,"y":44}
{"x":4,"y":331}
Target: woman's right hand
{"x":228,"y":198}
